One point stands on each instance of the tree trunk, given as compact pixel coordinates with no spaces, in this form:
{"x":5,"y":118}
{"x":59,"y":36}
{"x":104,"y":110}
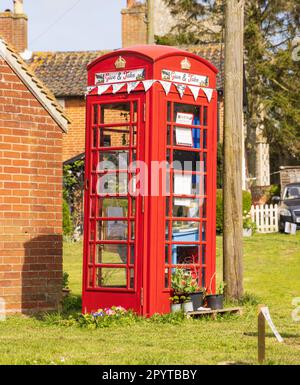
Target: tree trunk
{"x":233,"y":126}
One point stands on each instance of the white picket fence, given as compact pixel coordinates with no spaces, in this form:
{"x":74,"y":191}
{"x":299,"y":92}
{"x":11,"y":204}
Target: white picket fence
{"x":265,"y":217}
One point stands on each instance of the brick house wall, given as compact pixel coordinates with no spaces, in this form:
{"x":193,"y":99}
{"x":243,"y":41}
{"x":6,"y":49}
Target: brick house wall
{"x":30,"y":199}
{"x":74,"y":142}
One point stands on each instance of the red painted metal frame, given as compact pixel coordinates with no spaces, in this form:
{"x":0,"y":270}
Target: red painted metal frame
{"x":150,"y":295}
{"x":96,"y":297}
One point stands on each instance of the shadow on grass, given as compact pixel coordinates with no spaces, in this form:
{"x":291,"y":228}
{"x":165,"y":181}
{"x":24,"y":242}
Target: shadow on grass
{"x":70,"y":306}
{"x":269,"y":334}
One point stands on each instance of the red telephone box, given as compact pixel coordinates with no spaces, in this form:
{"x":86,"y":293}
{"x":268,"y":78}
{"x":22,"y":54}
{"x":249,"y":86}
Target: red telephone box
{"x":150,"y":111}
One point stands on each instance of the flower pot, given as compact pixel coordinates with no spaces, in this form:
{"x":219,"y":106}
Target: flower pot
{"x":66,"y":292}
{"x":175,"y":307}
{"x":197,"y":300}
{"x":247,"y":232}
{"x":215,"y":302}
{"x":188,"y":306}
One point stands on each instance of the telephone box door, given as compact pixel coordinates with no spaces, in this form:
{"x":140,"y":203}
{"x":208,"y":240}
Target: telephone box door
{"x":114,"y":211}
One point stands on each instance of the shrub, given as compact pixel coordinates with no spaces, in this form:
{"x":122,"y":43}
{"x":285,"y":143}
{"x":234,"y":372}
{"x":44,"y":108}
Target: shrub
{"x":65,"y":280}
{"x":67,"y":221}
{"x":247,"y":202}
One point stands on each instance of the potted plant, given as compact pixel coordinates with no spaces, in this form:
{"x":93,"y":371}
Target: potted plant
{"x":216,"y":301}
{"x":175,"y":304}
{"x":187,"y":305}
{"x":185,"y":286}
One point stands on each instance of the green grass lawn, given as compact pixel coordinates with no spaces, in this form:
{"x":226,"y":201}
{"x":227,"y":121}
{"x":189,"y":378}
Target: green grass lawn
{"x":272,"y":274}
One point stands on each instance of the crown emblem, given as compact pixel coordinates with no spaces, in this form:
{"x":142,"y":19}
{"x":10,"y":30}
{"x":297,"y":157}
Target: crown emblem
{"x":120,"y":62}
{"x":186,"y":64}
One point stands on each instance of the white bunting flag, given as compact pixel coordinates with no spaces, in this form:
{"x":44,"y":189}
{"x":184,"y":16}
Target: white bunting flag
{"x":166,"y":86}
{"x":117,"y":87}
{"x":89,"y":89}
{"x":180,"y":88}
{"x":132,"y":86}
{"x":103,"y":88}
{"x":208,"y":92}
{"x":148,"y":84}
{"x":195,"y":91}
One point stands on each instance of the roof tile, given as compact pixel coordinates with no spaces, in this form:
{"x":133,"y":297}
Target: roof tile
{"x":65,"y":73}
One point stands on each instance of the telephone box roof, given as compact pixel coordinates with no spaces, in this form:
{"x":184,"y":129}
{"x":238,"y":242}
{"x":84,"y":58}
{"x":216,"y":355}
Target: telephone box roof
{"x":154,"y":53}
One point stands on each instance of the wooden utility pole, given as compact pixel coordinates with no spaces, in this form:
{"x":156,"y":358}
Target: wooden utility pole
{"x":233,"y":126}
{"x":150,"y":21}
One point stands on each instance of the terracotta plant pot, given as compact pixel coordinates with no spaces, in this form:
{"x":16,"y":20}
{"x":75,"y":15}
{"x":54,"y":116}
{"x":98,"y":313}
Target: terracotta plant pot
{"x":66,"y":292}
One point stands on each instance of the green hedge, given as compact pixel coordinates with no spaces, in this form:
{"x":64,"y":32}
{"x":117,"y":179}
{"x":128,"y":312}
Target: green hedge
{"x":247,"y":202}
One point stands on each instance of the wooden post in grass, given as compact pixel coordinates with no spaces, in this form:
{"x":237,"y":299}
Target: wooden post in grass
{"x":261,"y":334}
{"x":233,"y":145}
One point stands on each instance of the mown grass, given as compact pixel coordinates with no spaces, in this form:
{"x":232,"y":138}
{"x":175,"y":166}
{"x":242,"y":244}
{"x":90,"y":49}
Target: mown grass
{"x":272,"y":272}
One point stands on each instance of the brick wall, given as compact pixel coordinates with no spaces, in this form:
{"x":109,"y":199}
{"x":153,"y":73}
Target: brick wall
{"x":134,"y":28}
{"x":30,"y":200}
{"x":74,"y":141}
{"x":14,"y":30}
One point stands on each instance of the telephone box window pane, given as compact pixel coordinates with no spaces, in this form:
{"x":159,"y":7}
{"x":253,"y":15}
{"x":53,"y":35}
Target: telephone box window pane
{"x":185,"y":208}
{"x":132,"y":207}
{"x":185,"y":231}
{"x":204,"y":231}
{"x":135,"y":112}
{"x":203,"y":204}
{"x":134,"y":138}
{"x":205,"y":139}
{"x":198,"y":184}
{"x":166,"y":278}
{"x":112,"y":183}
{"x":167,"y":230}
{"x":205,"y":110}
{"x":113,"y":207}
{"x":185,"y":254}
{"x":114,"y":137}
{"x":169,"y":131}
{"x":186,"y":160}
{"x":111,"y":277}
{"x":131,"y":279}
{"x":204,"y":162}
{"x":112,"y":230}
{"x":132,"y":255}
{"x":187,"y":109}
{"x":203,"y":280}
{"x":94,"y":137}
{"x":203,"y":254}
{"x":132,"y":230}
{"x":115,"y":113}
{"x":95,"y":114}
{"x":108,"y":254}
{"x":117,"y":160}
{"x":167,"y":207}
{"x":169,"y":112}
{"x":166,"y":254}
